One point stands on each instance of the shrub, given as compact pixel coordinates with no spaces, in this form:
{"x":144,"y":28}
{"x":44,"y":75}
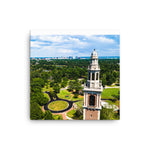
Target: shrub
{"x":108,"y":114}
{"x":76,"y":95}
{"x":48,"y":115}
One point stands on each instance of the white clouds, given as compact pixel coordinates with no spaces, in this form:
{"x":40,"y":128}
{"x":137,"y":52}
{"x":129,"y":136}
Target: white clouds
{"x":56,"y":45}
{"x":56,"y":38}
{"x":72,"y":45}
{"x":104,"y":39}
{"x":36,"y":44}
{"x":77,"y":42}
{"x":51,"y":51}
{"x":60,"y":39}
{"x":112,"y":49}
{"x":66,"y":51}
{"x":101,"y":39}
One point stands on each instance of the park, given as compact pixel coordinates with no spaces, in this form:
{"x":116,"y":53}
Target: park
{"x":56,"y":89}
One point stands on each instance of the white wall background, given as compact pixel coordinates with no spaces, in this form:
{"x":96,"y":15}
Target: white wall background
{"x":131,"y":18}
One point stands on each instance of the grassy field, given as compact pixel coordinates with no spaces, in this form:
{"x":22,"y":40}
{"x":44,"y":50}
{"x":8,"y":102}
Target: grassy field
{"x":114,"y":85}
{"x":79,"y":98}
{"x":64,"y":94}
{"x":46,"y":89}
{"x":70,"y":97}
{"x":117,"y":103}
{"x":58,"y":105}
{"x":58,"y":117}
{"x":71,"y":113}
{"x":108,"y":93}
{"x":80,"y":103}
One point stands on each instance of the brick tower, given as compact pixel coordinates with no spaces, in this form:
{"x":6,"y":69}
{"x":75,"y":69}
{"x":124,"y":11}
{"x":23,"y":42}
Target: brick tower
{"x":92,"y":91}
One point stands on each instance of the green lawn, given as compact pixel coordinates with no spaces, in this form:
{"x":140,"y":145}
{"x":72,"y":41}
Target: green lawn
{"x":71,"y":113}
{"x":58,"y":105}
{"x":108,"y":93}
{"x":57,"y":117}
{"x":114,"y":85}
{"x":63,"y":94}
{"x":46,"y":89}
{"x":117,"y":103}
{"x":79,"y":98}
{"x":80,"y":103}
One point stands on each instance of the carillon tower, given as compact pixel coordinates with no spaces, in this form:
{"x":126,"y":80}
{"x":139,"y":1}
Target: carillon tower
{"x":92,"y":91}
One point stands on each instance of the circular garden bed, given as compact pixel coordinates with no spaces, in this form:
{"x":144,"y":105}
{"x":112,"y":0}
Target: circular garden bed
{"x":58,"y":105}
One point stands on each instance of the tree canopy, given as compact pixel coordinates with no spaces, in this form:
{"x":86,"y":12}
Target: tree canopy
{"x":108,"y":114}
{"x":48,"y":115}
{"x":35,"y":112}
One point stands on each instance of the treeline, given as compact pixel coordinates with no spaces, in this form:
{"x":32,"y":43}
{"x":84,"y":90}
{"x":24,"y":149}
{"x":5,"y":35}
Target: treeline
{"x":74,"y":69}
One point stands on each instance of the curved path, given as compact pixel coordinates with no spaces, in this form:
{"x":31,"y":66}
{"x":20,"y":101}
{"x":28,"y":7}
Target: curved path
{"x":70,"y":103}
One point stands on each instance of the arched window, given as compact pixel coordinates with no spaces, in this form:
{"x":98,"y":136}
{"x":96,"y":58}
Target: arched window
{"x":92,"y":76}
{"x":89,"y":75}
{"x":92,"y":100}
{"x":96,"y":76}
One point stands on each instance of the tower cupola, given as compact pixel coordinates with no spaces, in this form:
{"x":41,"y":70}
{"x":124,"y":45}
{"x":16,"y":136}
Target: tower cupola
{"x":94,"y":55}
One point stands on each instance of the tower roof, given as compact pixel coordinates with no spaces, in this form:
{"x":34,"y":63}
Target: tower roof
{"x":94,"y":53}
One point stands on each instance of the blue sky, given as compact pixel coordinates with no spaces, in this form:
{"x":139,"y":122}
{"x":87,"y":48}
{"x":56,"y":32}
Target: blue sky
{"x":74,"y":45}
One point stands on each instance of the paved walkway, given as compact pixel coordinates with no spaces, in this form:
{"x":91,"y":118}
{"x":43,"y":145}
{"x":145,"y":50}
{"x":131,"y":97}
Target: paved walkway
{"x":43,"y":109}
{"x":108,"y":106}
{"x":64,"y":88}
{"x":64,"y":115}
{"x":70,"y":103}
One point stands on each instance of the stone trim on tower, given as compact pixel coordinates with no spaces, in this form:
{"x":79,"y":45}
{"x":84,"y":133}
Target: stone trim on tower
{"x":92,"y":91}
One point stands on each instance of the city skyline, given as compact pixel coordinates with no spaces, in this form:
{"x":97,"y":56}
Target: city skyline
{"x":74,"y":45}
